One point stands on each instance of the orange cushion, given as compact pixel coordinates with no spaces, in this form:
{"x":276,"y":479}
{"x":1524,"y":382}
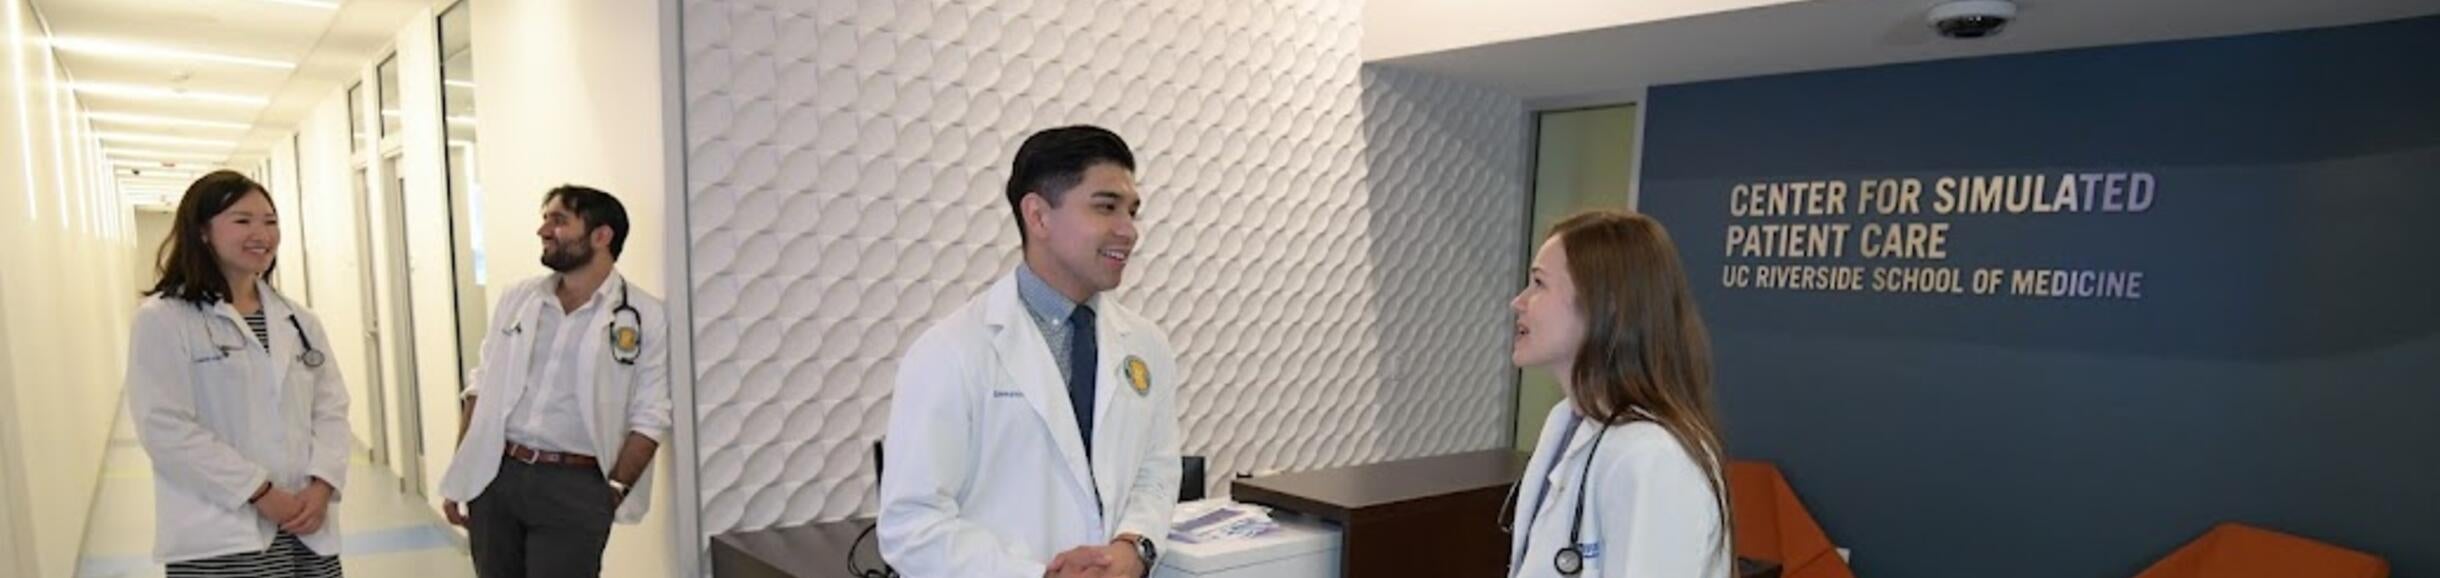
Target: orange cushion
{"x":1773,"y":525}
{"x":2232,"y":550}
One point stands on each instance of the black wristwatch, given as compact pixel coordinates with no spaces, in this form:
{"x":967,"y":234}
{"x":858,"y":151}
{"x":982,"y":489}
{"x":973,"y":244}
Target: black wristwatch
{"x":1145,"y":551}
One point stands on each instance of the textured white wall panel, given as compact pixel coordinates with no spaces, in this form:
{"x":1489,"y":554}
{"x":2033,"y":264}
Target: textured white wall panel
{"x":1330,"y":247}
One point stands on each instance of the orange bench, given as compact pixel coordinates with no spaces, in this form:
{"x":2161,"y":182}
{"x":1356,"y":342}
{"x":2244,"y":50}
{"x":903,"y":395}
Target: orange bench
{"x":2232,"y":550}
{"x":1773,"y":525}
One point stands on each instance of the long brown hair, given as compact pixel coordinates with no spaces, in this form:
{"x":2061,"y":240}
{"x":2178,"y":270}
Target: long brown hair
{"x":1644,"y":342}
{"x":188,"y":271}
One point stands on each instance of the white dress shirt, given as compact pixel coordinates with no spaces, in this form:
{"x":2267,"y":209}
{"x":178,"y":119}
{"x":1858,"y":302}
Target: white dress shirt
{"x":549,"y":417}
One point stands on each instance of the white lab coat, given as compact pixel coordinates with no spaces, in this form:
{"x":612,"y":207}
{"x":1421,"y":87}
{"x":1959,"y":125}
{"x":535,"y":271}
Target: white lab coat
{"x":1651,"y":514}
{"x":217,"y":426}
{"x":622,"y":398}
{"x":985,"y":475}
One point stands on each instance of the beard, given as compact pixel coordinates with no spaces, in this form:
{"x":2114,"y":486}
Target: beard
{"x":565,"y":257}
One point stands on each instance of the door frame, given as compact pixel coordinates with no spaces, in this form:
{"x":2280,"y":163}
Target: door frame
{"x":376,"y":384}
{"x":401,"y":294}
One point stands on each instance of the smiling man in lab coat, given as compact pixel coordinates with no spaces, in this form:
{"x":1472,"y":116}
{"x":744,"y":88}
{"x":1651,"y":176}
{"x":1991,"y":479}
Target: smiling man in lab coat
{"x":571,"y":403}
{"x":1034,"y":431}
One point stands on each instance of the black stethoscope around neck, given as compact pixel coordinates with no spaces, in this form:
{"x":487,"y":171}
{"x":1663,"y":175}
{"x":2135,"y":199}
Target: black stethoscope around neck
{"x":626,"y":335}
{"x":1569,"y":561}
{"x":311,"y":357}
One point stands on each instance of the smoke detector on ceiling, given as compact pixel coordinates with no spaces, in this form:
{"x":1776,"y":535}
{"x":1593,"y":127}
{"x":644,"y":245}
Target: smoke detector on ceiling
{"x":1971,"y":18}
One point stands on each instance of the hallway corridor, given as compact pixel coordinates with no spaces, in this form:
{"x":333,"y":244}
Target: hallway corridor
{"x":388,"y":534}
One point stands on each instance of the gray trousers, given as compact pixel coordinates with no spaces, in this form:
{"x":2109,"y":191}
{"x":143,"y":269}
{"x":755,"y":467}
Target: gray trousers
{"x":540,"y":521}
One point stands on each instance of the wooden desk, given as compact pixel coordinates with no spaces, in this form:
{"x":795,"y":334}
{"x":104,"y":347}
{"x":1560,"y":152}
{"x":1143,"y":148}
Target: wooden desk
{"x":815,"y":551}
{"x":1436,"y":516}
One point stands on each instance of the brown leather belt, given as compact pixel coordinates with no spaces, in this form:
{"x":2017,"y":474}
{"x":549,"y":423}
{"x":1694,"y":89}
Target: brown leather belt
{"x":550,"y":458}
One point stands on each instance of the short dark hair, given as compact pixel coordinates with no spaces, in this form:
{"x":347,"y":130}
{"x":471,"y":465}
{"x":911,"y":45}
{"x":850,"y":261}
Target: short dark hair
{"x":184,"y":264}
{"x":596,"y":209}
{"x":1054,"y":160}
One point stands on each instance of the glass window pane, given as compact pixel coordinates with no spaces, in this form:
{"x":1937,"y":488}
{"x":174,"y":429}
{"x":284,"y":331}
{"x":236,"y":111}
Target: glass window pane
{"x":465,"y":185}
{"x":390,"y":115}
{"x":355,"y":117}
{"x":1583,"y":159}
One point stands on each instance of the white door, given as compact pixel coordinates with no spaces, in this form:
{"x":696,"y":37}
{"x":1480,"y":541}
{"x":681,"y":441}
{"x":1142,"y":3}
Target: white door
{"x":377,"y":444}
{"x":395,"y":298}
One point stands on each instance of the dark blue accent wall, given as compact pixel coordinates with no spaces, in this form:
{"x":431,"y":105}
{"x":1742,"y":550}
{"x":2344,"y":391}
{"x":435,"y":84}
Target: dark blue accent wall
{"x":2282,"y":367}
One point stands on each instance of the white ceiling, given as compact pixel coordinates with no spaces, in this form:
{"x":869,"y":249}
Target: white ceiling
{"x":1614,"y":65}
{"x":324,"y":43}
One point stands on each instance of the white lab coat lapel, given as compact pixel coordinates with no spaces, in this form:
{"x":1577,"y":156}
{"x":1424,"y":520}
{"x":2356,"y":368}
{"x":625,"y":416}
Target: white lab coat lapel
{"x":1027,"y":358}
{"x":1563,"y":482}
{"x":1569,"y":451}
{"x":1111,"y":350}
{"x":283,"y":345}
{"x":246,"y":360}
{"x":263,"y":372}
{"x":232,"y":324}
{"x":592,"y":337}
{"x":512,"y":371}
{"x":1531,"y":485}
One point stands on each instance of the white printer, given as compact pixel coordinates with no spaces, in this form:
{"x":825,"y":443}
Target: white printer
{"x":1297,"y":548}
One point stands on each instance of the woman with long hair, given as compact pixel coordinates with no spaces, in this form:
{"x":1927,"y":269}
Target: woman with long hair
{"x":1627,"y":478}
{"x":235,"y":400}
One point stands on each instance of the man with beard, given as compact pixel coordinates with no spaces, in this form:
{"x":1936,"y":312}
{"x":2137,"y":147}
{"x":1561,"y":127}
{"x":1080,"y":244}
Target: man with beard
{"x":569,"y":406}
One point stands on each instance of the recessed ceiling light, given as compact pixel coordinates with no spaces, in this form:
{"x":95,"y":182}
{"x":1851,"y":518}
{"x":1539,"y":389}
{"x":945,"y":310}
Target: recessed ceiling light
{"x":322,"y":4}
{"x":179,"y":177}
{"x":161,"y":139}
{"x":151,"y":181}
{"x":123,"y":118}
{"x":129,"y":50}
{"x":163,"y":155}
{"x":469,"y":85}
{"x":152,"y":167}
{"x":131,"y":91}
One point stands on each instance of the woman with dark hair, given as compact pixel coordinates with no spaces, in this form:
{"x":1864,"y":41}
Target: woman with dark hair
{"x":1626,"y":480}
{"x":235,"y":401}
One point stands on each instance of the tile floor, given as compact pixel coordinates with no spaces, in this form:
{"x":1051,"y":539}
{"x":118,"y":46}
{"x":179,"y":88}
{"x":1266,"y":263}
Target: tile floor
{"x":389,"y":534}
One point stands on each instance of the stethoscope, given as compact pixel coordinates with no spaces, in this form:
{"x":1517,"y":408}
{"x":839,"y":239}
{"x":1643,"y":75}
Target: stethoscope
{"x":1570,"y":559}
{"x":312,"y":357}
{"x":626,"y":341}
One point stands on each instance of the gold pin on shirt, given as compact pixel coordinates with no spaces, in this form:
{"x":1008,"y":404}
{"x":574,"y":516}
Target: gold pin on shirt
{"x":1139,"y":375}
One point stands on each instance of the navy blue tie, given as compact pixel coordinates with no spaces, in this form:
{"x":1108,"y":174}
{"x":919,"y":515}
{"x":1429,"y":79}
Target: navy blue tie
{"x":1082,"y":348}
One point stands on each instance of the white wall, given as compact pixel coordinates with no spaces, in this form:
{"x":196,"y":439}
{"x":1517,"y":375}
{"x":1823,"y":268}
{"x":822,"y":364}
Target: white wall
{"x":16,"y":524}
{"x":570,"y":94}
{"x":152,"y":227}
{"x":570,"y":91}
{"x":1394,"y":28}
{"x":64,"y":300}
{"x":1331,"y":248}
